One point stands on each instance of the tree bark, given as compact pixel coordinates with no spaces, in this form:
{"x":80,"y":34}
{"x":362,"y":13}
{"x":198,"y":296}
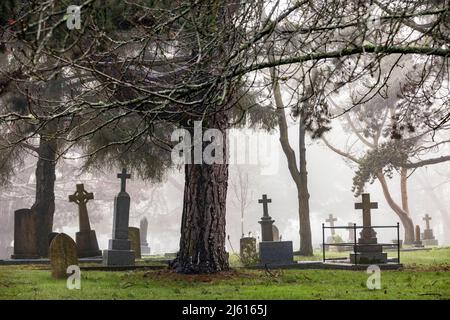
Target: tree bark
{"x":405,"y":219}
{"x":202,"y":242}
{"x":44,"y":205}
{"x":404,"y":189}
{"x":306,"y":248}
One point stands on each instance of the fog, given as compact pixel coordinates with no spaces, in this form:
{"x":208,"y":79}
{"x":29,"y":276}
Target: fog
{"x":330,"y":182}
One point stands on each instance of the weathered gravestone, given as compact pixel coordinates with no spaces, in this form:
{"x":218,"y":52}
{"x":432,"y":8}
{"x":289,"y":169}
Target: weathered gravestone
{"x":25,"y":237}
{"x":428,"y":236}
{"x":85,"y":238}
{"x":51,"y":236}
{"x":417,"y":241}
{"x":272,"y":253}
{"x":62,"y":253}
{"x":120,"y":253}
{"x":247,"y":251}
{"x":351,"y":232}
{"x":368,"y":251}
{"x":276,"y":233}
{"x":145,"y":249}
{"x":135,"y":238}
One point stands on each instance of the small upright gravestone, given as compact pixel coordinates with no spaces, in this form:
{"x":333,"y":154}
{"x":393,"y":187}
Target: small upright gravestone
{"x":428,"y":236}
{"x":120,"y":253}
{"x":272,"y":253}
{"x":351,"y":232}
{"x":417,"y":241}
{"x":62,"y":253}
{"x":145,"y":249}
{"x":85,"y":238}
{"x":135,"y":238}
{"x":247,"y":251}
{"x":25,"y":238}
{"x":276,"y":233}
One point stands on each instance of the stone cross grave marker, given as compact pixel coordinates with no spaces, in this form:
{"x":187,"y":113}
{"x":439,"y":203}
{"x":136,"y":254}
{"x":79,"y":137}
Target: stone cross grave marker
{"x":427,"y":219}
{"x":62,"y":253}
{"x":367,"y":233}
{"x":266,"y":221}
{"x":428,"y":236}
{"x":123,"y":176}
{"x":120,"y":252}
{"x":368,"y":251}
{"x":331,"y":220}
{"x":86,"y":238}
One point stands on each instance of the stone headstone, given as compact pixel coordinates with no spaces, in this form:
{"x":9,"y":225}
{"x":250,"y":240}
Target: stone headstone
{"x":86,"y":238}
{"x":276,"y":233}
{"x":428,"y":236}
{"x":417,"y":241}
{"x":351,"y":232}
{"x":25,"y":236}
{"x":247,"y":251}
{"x":272,"y":253}
{"x":51,"y":236}
{"x":62,"y":253}
{"x":276,"y":253}
{"x":266,"y":221}
{"x":119,"y":252}
{"x":135,"y":238}
{"x":367,"y":249}
{"x":145,"y":249}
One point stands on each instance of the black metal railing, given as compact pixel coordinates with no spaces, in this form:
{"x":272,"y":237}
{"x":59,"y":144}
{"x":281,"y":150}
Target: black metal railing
{"x":355,"y":243}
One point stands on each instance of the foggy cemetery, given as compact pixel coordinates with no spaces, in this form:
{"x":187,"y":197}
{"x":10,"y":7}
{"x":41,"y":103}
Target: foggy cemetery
{"x":276,"y":151}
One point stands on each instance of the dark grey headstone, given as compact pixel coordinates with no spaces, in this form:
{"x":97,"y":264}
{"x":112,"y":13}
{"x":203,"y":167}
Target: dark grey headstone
{"x":25,"y":239}
{"x":120,"y":253}
{"x":273,"y":253}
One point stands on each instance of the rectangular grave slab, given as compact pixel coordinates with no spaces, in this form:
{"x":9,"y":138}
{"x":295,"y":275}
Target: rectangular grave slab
{"x":118,"y":258}
{"x":368,"y":258}
{"x":430,"y":242}
{"x":275,"y":253}
{"x":25,"y":239}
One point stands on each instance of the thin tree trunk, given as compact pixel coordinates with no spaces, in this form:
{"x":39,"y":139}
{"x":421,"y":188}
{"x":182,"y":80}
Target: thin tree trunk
{"x":404,"y":189}
{"x":202,"y":242}
{"x":306,"y":248}
{"x":44,"y":205}
{"x":405,"y":219}
{"x":300,"y":176}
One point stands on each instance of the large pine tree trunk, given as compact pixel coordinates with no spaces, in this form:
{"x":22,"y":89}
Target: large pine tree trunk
{"x":202,"y":243}
{"x":306,"y":248}
{"x":44,"y":205}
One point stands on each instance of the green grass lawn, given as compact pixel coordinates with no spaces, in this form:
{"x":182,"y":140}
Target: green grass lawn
{"x":426,"y":276}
